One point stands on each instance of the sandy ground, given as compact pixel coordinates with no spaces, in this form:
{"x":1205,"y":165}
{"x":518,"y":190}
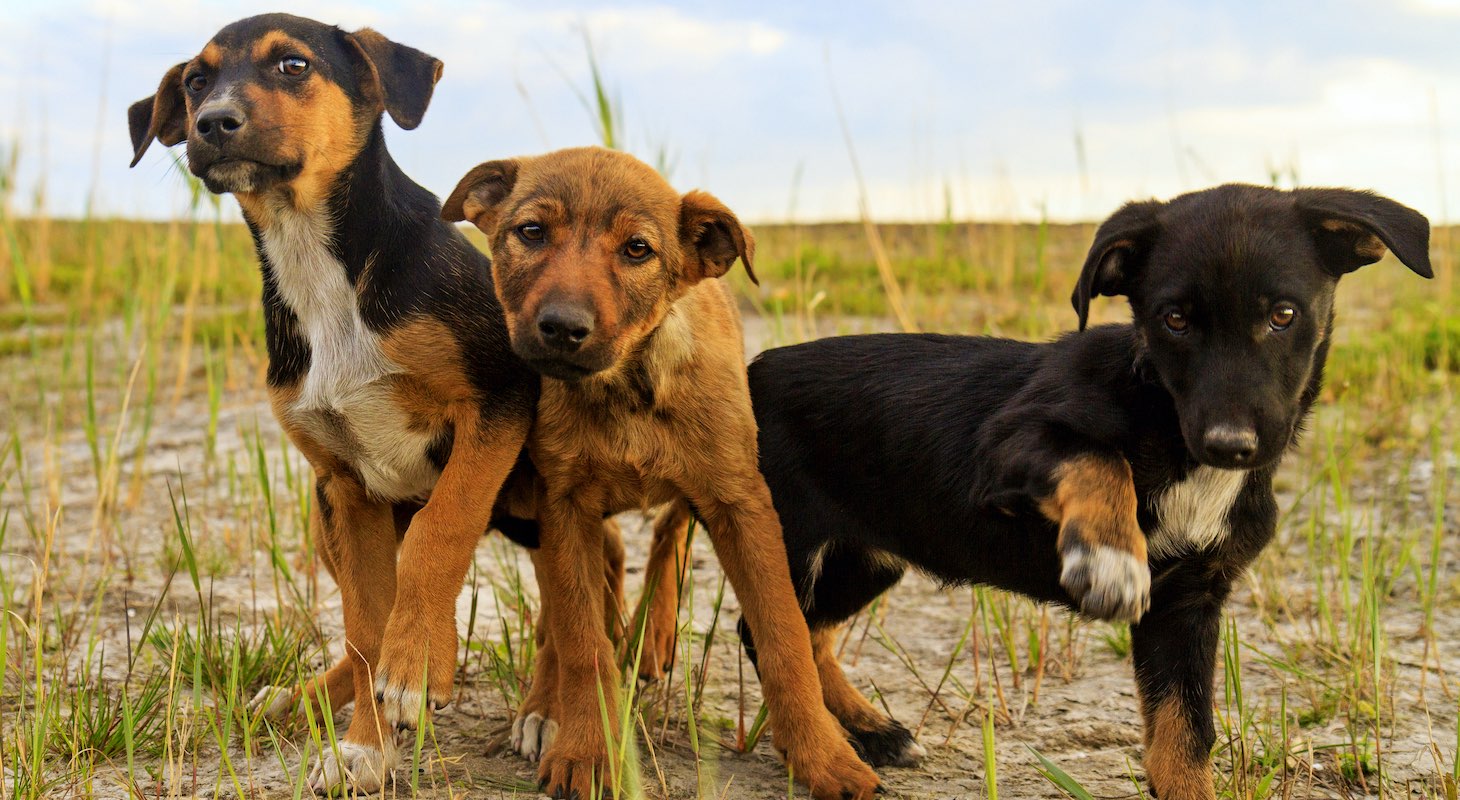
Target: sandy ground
{"x":1084,"y":717}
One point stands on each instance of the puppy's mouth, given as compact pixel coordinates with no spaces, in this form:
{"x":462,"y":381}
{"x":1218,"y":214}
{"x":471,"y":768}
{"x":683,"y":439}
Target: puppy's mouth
{"x":562,"y":370}
{"x":235,"y":174}
{"x":569,"y":367}
{"x":1229,"y":463}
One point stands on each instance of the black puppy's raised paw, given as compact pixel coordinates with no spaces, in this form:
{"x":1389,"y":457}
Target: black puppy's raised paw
{"x":1108,"y":583}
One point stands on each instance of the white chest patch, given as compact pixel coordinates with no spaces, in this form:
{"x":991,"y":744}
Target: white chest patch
{"x":1192,"y":514}
{"x":345,"y":400}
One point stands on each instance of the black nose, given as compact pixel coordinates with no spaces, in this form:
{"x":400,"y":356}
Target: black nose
{"x":1230,"y":443}
{"x":564,"y":327}
{"x":219,"y":124}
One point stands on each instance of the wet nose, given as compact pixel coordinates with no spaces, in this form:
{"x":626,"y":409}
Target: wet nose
{"x":564,"y":327}
{"x":220,"y":123}
{"x":1231,"y":443}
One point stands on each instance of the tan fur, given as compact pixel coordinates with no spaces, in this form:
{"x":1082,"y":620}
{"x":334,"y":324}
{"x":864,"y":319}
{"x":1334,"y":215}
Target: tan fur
{"x":1169,"y":762}
{"x":1099,"y":495}
{"x":357,"y":539}
{"x":438,"y":381}
{"x":1366,"y":244}
{"x":279,"y":43}
{"x":212,"y":56}
{"x":327,"y":132}
{"x":601,"y":445}
{"x":842,"y":699}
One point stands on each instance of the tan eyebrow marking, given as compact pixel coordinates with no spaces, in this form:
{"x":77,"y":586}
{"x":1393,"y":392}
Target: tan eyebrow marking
{"x":278,"y":40}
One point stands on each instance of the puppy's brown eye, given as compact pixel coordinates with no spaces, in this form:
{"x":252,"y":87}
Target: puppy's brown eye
{"x":531,"y":232}
{"x":637,"y":249}
{"x":197,"y":83}
{"x":293,"y":65}
{"x":1176,"y":322}
{"x":1282,"y":317}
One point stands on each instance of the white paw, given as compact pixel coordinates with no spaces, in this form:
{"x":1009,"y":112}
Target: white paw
{"x":912,"y":755}
{"x":1108,"y":583}
{"x":400,"y":707}
{"x":349,"y":767}
{"x":532,"y":735}
{"x":276,"y":702}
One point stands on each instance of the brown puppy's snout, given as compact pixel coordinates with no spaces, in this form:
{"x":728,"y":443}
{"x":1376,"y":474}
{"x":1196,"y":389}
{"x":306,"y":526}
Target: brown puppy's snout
{"x":219,"y":122}
{"x":565,"y":326}
{"x":1230,"y":444}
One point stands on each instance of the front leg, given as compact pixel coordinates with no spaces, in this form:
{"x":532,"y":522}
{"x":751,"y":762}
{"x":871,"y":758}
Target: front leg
{"x":418,"y":657}
{"x":1175,"y":649}
{"x":1102,"y":548}
{"x":570,"y":570}
{"x":356,"y":538}
{"x":334,"y":689}
{"x":746,"y":534}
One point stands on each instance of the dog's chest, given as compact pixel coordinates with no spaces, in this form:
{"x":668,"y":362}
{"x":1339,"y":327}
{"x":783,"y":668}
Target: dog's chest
{"x":1191,"y":514}
{"x":345,"y":402}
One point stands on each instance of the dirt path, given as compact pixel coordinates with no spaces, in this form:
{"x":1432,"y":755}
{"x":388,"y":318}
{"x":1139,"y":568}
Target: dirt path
{"x":1083,"y":718}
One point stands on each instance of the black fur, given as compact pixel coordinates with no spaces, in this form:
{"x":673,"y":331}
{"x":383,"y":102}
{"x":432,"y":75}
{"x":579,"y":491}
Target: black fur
{"x":934,"y":451}
{"x":403,"y":260}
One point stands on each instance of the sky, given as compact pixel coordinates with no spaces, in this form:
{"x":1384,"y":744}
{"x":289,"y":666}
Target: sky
{"x":978,"y":110}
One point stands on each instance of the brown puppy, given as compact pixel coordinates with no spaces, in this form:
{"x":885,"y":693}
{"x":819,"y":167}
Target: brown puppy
{"x":388,"y":364}
{"x":607,"y":278}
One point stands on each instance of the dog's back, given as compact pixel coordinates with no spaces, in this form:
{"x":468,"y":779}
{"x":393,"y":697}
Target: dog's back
{"x":879,"y":435}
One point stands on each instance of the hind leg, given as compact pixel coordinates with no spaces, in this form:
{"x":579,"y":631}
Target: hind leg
{"x":850,"y":578}
{"x":614,"y":605}
{"x":663,"y":587}
{"x":834,"y":581}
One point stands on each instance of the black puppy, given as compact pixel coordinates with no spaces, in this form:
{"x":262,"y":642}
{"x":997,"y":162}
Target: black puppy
{"x":1125,"y":471}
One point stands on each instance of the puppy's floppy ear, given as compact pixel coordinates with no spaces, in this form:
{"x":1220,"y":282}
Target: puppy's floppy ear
{"x":1352,"y":228}
{"x":713,"y":238}
{"x":1121,"y":245}
{"x":163,"y":116}
{"x":403,"y":77}
{"x":478,"y":194}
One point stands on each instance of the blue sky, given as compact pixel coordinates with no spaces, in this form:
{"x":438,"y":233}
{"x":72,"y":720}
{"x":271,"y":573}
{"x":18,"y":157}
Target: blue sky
{"x":1003,"y":110}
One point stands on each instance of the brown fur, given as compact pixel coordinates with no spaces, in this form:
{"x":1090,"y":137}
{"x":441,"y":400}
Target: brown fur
{"x":276,"y":42}
{"x":212,"y":55}
{"x":1095,"y":499}
{"x":664,"y":416}
{"x":326,"y":133}
{"x":1175,"y":763}
{"x":841,"y":698}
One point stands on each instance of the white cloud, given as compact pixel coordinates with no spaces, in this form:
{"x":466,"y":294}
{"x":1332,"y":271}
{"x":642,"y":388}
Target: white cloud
{"x":982,"y":103}
{"x":659,"y":34}
{"x":1439,"y":7}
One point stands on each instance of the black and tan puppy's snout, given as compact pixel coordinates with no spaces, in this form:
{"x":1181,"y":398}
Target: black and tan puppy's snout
{"x":217,"y":123}
{"x":564,"y":326}
{"x":1230,"y":445}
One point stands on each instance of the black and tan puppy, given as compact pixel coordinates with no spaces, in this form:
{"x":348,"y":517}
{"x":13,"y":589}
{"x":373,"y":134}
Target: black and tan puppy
{"x":1125,"y":470}
{"x":388,"y":359}
{"x":608,"y":278}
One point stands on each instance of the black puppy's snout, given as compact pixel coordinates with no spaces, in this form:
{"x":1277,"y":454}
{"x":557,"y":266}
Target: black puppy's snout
{"x":220,"y":123}
{"x":564,"y":327}
{"x":1230,"y":443}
